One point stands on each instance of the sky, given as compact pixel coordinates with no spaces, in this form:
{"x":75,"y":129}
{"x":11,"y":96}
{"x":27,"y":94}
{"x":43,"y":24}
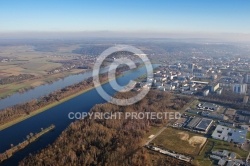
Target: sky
{"x":147,"y":16}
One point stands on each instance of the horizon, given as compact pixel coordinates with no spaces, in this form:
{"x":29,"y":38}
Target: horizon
{"x":220,"y":37}
{"x":147,"y":17}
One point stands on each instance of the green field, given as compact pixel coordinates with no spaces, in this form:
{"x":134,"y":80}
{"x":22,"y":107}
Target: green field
{"x":222,"y":145}
{"x":12,"y":88}
{"x":180,"y":141}
{"x":212,"y":144}
{"x":203,"y":158}
{"x":248,"y":135}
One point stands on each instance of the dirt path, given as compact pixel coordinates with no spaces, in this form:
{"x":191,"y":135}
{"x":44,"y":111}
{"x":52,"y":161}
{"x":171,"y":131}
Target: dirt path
{"x":158,"y":133}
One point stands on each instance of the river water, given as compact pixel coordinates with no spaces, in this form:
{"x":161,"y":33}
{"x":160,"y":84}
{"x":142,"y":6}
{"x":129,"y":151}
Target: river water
{"x":57,"y":115}
{"x":45,"y":89}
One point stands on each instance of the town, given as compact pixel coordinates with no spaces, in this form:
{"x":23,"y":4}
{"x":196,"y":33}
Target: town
{"x":217,"y":121}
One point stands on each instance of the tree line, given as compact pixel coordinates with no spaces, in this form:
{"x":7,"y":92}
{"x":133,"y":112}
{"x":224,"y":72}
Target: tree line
{"x":16,"y":111}
{"x":111,"y":142}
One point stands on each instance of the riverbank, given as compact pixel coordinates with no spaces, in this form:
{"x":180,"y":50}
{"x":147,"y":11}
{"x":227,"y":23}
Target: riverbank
{"x":40,"y":110}
{"x":30,"y":138}
{"x":58,"y":116}
{"x":19,"y":87}
{"x":52,"y":104}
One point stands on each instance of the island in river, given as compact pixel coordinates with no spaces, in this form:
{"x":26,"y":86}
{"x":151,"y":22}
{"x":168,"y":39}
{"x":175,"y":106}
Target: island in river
{"x":30,"y":138}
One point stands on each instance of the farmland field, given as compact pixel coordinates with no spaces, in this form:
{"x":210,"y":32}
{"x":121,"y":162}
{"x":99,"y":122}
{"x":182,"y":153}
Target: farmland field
{"x":27,"y":60}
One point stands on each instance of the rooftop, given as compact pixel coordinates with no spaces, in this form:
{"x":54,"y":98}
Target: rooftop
{"x":230,"y":134}
{"x":204,"y":124}
{"x":194,"y":122}
{"x":210,"y":105}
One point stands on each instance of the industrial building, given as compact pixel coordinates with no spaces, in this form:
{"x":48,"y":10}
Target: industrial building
{"x":243,"y":119}
{"x":204,"y":125}
{"x":214,"y":115}
{"x":247,"y":113}
{"x":228,"y":134}
{"x":200,"y":124}
{"x":193,"y":122}
{"x":226,"y":123}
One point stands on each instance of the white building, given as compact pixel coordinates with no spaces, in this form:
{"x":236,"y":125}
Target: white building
{"x":240,"y":88}
{"x":228,"y":134}
{"x":214,"y":87}
{"x":247,"y":78}
{"x":169,"y":87}
{"x":205,"y":92}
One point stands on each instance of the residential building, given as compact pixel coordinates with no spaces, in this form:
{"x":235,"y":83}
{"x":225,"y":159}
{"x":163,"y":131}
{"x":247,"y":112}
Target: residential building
{"x":240,"y":88}
{"x":205,"y":92}
{"x":214,"y":87}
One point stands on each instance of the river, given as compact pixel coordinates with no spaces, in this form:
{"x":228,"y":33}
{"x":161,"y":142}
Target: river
{"x":58,"y":116}
{"x":45,"y":89}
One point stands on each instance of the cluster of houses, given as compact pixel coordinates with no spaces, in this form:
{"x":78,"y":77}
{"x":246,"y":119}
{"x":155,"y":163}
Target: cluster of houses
{"x":200,"y":79}
{"x":183,"y":81}
{"x":226,"y":158}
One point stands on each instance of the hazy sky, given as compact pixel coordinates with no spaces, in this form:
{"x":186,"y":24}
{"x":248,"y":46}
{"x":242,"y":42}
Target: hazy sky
{"x":227,"y":16}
